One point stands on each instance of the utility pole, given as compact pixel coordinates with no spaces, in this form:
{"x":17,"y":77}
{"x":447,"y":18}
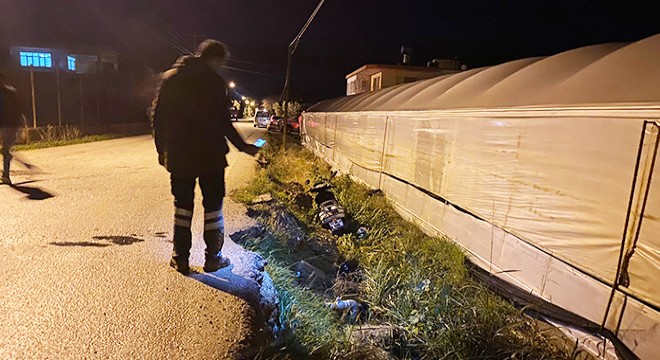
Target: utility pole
{"x":287,"y":81}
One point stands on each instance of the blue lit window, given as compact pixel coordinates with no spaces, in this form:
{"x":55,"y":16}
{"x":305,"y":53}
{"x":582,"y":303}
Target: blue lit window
{"x":71,"y":63}
{"x":36,"y":59}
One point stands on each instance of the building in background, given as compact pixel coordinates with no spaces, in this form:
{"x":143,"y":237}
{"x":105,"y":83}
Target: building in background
{"x":53,"y":60}
{"x":373,"y":77}
{"x":75,"y":86}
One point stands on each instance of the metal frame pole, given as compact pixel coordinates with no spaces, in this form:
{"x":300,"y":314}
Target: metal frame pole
{"x":34,"y":99}
{"x":82,"y":102}
{"x":59,"y":96}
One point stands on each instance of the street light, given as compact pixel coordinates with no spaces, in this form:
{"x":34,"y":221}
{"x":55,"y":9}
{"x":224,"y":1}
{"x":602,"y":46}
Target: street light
{"x":292,"y":49}
{"x":232,"y":84}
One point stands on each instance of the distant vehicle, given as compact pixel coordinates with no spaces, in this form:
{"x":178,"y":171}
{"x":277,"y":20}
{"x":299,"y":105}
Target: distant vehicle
{"x":234,"y":113}
{"x":261,"y":118}
{"x":277,"y":122}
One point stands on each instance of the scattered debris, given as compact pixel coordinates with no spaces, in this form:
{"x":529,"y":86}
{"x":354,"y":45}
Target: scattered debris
{"x":423,"y":286}
{"x":263,"y":162}
{"x":380,"y":335}
{"x":309,"y":273}
{"x":263,"y":198}
{"x":353,"y":307}
{"x":362,"y":233}
{"x":254,"y":232}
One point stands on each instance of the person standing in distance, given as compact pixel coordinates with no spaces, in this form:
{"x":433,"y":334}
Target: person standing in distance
{"x":11,"y":118}
{"x":191,"y":125}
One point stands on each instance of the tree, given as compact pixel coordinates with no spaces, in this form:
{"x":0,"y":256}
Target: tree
{"x":248,"y":111}
{"x":295,"y":108}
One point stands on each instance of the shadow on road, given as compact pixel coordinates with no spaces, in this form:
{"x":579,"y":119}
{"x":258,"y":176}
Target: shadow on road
{"x":119,"y":240}
{"x":79,"y":243}
{"x":116,"y":240}
{"x":33,"y":193}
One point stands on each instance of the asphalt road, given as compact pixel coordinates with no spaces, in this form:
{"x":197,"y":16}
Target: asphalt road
{"x":83,"y":271}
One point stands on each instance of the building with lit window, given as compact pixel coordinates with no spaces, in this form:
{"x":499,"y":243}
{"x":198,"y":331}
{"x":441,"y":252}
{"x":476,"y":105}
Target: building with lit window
{"x":70,"y":85}
{"x":56,"y":59}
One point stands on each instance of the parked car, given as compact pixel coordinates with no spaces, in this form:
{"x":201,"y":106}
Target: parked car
{"x":261,"y":118}
{"x":277,"y":122}
{"x":274,"y":123}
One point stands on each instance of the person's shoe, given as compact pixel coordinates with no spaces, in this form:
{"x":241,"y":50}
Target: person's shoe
{"x":180,"y":266}
{"x":216,"y":263}
{"x":5,"y":180}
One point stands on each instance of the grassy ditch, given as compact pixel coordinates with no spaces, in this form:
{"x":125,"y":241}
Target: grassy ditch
{"x":53,"y":143}
{"x":415,"y":287}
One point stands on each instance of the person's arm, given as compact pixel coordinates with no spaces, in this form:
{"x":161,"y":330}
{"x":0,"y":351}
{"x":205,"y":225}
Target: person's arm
{"x":158,"y":125}
{"x":235,"y":138}
{"x":16,"y":113}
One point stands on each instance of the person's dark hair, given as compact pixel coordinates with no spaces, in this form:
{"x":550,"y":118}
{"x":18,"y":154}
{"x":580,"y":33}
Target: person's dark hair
{"x":212,"y":48}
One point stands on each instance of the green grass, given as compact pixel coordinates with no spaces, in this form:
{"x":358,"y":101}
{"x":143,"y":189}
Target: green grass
{"x":81,"y":140}
{"x":419,"y":284}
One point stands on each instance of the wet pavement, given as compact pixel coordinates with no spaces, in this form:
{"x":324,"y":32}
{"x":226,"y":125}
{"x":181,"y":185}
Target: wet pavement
{"x":85,"y":245}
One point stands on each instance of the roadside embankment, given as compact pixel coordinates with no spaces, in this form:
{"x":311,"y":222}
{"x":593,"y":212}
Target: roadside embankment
{"x":48,"y":136}
{"x":381,"y":290}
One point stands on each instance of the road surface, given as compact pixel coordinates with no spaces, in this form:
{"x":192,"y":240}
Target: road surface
{"x":84,"y":270}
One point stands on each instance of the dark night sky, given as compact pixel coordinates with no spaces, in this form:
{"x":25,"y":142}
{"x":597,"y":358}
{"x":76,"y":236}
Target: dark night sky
{"x":345,"y":35}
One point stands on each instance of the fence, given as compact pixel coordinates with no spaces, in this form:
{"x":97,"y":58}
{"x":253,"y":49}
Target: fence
{"x":62,"y":98}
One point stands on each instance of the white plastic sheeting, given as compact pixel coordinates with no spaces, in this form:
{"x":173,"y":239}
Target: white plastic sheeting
{"x":529,"y":165}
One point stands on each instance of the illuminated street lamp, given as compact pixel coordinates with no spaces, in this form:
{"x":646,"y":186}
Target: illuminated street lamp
{"x":232,"y":84}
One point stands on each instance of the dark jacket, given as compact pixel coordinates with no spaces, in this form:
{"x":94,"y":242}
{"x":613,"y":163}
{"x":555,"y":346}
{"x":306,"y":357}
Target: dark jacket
{"x":11,"y":114}
{"x":190,"y":119}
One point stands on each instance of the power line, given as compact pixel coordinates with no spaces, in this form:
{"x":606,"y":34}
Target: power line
{"x":175,"y":36}
{"x":296,"y":40}
{"x":250,"y":71}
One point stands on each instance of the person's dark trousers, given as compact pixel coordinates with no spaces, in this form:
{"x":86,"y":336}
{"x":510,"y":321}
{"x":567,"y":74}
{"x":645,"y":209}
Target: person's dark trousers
{"x":213,"y":191}
{"x":8,"y":136}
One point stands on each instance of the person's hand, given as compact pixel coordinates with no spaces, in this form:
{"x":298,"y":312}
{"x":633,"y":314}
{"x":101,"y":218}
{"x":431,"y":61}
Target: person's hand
{"x":251,"y":150}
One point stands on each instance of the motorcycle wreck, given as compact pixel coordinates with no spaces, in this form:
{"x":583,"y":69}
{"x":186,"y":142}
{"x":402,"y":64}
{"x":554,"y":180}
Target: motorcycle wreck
{"x":330,"y":212}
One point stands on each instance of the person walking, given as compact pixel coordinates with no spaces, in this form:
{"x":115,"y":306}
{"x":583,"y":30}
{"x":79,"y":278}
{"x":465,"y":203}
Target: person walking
{"x":11,"y":118}
{"x":191,"y":125}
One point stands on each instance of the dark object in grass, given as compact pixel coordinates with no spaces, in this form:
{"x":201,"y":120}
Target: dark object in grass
{"x":375,"y":192}
{"x":310,"y":275}
{"x":348,"y":267}
{"x":382,"y":335}
{"x":303,"y":201}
